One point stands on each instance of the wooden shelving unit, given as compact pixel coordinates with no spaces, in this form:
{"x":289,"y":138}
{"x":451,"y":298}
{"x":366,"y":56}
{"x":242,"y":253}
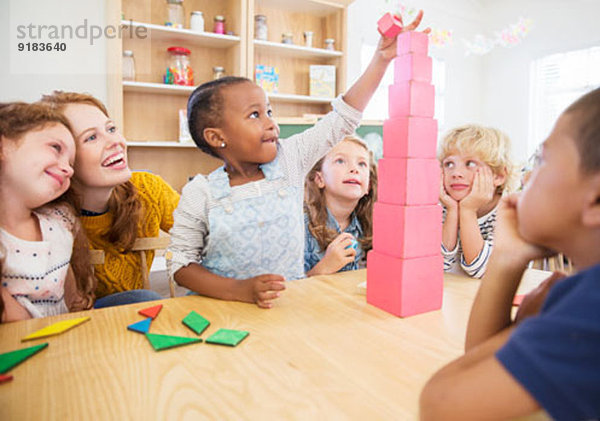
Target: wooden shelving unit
{"x":147,"y":109}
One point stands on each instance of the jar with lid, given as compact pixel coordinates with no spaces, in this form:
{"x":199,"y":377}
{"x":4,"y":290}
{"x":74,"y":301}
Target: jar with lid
{"x":175,"y":15}
{"x":179,"y":71}
{"x":128,"y":65}
{"x":218,"y":72}
{"x":329,"y":44}
{"x":287,"y":38}
{"x":219,"y":24}
{"x":197,"y":21}
{"x":308,"y":38}
{"x":260,"y":27}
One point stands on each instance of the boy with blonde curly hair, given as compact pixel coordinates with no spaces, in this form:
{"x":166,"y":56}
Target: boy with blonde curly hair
{"x":476,"y":171}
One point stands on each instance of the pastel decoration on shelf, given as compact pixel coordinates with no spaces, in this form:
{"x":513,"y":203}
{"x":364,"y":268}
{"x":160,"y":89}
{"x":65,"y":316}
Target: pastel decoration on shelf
{"x":405,"y":287}
{"x":308,"y":38}
{"x":322,"y":81}
{"x":151,"y":312}
{"x":175,"y":14}
{"x":195,"y":322}
{"x":184,"y":129}
{"x":329,"y":44}
{"x":142,"y":326}
{"x":287,"y":38}
{"x":8,"y":360}
{"x":161,"y":342}
{"x":197,"y":21}
{"x":389,"y":25}
{"x":267,"y":77}
{"x":56,"y":328}
{"x":229,"y":337}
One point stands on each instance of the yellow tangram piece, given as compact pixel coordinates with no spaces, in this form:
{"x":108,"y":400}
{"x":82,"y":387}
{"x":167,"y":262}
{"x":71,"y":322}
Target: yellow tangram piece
{"x":55,"y":328}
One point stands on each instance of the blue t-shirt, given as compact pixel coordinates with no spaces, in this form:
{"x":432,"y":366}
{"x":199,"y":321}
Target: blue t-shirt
{"x":556,"y":355}
{"x":313,"y":253}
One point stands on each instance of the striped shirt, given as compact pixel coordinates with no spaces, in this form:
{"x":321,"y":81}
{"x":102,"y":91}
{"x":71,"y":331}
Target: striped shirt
{"x":454,"y":259}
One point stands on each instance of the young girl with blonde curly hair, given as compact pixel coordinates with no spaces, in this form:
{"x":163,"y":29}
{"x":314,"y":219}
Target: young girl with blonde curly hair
{"x":340,"y":192}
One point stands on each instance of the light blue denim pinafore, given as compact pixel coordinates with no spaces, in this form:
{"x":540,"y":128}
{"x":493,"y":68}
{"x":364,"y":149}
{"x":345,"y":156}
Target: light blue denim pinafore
{"x":257,"y":228}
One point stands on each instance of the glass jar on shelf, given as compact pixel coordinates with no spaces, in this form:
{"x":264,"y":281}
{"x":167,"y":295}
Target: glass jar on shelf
{"x":330,"y":44}
{"x":128,"y":65}
{"x":175,"y":15}
{"x":179,"y":71}
{"x":287,"y":38}
{"x":197,"y":21}
{"x":260,"y":27}
{"x":308,"y":38}
{"x":218,"y":72}
{"x":219,"y":24}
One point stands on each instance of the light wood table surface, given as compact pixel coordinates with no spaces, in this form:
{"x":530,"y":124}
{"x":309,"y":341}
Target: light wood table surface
{"x":321,"y":352}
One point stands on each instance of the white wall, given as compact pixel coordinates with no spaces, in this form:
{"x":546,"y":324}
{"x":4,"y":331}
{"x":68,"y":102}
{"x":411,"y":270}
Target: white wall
{"x":491,"y":89}
{"x":25,"y":76}
{"x":559,"y":26}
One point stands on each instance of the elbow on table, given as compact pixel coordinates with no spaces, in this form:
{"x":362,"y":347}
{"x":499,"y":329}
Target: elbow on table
{"x":435,"y":401}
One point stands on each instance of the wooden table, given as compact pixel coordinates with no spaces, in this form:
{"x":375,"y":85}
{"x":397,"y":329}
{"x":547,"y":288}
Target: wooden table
{"x":321,"y":352}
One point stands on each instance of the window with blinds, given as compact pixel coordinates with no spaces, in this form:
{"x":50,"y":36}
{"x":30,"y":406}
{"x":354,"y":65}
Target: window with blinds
{"x":556,"y":81}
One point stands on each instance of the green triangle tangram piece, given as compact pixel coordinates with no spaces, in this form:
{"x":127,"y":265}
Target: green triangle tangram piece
{"x":10,"y":359}
{"x":160,"y":342}
{"x":228,"y":337}
{"x":195,"y":322}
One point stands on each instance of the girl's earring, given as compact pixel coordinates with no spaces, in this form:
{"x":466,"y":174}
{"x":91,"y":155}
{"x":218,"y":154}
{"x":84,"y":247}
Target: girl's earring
{"x":223,"y":144}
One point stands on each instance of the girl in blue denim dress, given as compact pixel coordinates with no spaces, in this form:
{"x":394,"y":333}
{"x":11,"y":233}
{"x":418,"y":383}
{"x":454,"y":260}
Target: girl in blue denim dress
{"x":340,"y":193}
{"x":238,"y":233}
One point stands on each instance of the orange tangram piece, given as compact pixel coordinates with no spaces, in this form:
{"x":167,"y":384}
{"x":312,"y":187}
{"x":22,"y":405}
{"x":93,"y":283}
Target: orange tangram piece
{"x":151,"y":311}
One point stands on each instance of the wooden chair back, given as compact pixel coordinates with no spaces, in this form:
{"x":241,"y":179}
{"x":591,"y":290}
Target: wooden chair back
{"x":144,"y":244}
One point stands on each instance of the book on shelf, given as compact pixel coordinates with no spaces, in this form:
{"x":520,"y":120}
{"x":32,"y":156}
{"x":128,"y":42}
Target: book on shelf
{"x":322,"y":81}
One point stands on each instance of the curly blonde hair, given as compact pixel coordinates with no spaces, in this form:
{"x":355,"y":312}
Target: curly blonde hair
{"x":486,"y":143}
{"x":124,"y":203}
{"x":316,"y":210}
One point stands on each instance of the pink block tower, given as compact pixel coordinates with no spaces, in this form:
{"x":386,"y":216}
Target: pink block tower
{"x":405,"y":267}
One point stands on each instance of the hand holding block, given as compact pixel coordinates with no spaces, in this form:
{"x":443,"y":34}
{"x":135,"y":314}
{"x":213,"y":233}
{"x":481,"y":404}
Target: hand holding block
{"x":413,"y":67}
{"x":405,"y":287}
{"x":411,"y":98}
{"x":408,"y":181}
{"x":413,"y":42}
{"x":389,"y":25}
{"x":407,"y":231}
{"x":410,"y":137}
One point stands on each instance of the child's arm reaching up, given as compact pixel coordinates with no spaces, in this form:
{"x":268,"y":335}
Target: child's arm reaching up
{"x":362,"y":90}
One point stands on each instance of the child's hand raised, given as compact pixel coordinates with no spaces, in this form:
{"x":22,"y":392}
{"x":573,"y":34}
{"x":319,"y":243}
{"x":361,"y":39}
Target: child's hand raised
{"x":265,"y":289}
{"x":482,"y":190}
{"x":387,"y":46}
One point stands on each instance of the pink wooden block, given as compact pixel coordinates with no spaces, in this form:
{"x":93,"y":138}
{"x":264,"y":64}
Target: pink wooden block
{"x":405,"y":287}
{"x":408,"y":181}
{"x":411,"y":98}
{"x":407,"y":231}
{"x":412,"y":67}
{"x":412,"y":42}
{"x":410,"y":137}
{"x":389,"y":26}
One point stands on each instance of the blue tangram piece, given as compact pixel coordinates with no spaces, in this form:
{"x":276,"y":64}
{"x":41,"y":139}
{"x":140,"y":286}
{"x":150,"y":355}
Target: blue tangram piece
{"x":141,"y":327}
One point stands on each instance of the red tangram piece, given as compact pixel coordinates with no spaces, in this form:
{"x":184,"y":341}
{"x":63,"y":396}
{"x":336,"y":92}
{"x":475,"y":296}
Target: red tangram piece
{"x":151,"y":311}
{"x":5,"y":378}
